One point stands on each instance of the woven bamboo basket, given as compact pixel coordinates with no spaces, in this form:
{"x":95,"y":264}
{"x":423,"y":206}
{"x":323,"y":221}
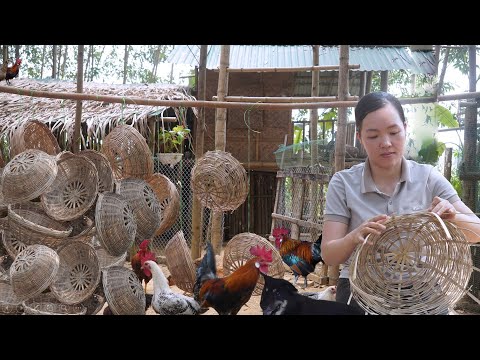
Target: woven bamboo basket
{"x":180,"y":263}
{"x":123,"y":291}
{"x":33,"y":270}
{"x":237,"y":253}
{"x":28,"y":175}
{"x":420,"y":264}
{"x":106,"y":260}
{"x":169,"y":199}
{"x":10,"y":304}
{"x":104,"y":170}
{"x":78,"y":274}
{"x":144,"y":203}
{"x":3,"y":204}
{"x":47,"y":304}
{"x":74,"y":190}
{"x":33,"y":226}
{"x":128,"y":153}
{"x":94,"y":304}
{"x":33,"y":134}
{"x":115,"y":223}
{"x":11,"y":244}
{"x":219,"y":181}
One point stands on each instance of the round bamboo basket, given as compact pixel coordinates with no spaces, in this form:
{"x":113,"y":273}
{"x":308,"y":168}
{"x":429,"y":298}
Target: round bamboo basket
{"x":78,"y":274}
{"x":219,"y":181}
{"x":420,"y":264}
{"x":106,"y":260}
{"x":144,"y":203}
{"x":47,"y":304}
{"x":169,"y":199}
{"x":33,"y":134}
{"x":31,"y":225}
{"x":128,"y":153}
{"x":10,"y":304}
{"x":115,"y":223}
{"x":74,"y":190}
{"x":28,"y":175}
{"x":83,"y":229}
{"x":104,"y":170}
{"x":11,"y":244}
{"x":237,"y":253}
{"x":33,"y":270}
{"x":123,"y":291}
{"x":180,"y":263}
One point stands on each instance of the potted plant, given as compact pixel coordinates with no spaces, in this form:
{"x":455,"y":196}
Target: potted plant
{"x":171,"y":144}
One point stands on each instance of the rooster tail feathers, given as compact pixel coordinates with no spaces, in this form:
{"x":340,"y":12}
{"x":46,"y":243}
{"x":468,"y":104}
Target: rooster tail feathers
{"x":316,"y":252}
{"x":207,"y":269}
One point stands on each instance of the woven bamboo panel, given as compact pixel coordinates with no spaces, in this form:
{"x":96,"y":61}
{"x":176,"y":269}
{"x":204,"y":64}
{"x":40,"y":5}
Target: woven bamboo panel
{"x":180,"y":263}
{"x":123,"y":291}
{"x":78,"y":274}
{"x":419,"y":265}
{"x":104,"y":170}
{"x":28,"y":175}
{"x":128,"y":153}
{"x":74,"y":190}
{"x":33,"y":134}
{"x":169,"y":199}
{"x":115,"y":223}
{"x":47,"y":304}
{"x":144,"y":203}
{"x":219,"y":181}
{"x":237,"y":253}
{"x":30,"y":225}
{"x":33,"y":270}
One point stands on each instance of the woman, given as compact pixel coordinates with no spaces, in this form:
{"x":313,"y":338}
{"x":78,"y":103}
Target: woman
{"x":360,"y":199}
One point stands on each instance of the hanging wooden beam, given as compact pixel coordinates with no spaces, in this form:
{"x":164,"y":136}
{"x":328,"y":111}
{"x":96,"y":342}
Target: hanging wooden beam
{"x":291,"y":69}
{"x":283,"y":99}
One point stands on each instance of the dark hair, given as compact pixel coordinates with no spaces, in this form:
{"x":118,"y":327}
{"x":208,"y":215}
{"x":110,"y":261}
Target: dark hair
{"x":374,"y":101}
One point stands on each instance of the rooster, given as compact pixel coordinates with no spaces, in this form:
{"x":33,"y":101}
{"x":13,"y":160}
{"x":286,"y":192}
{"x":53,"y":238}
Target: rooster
{"x":143,"y":274}
{"x":8,"y":73}
{"x":280,"y":297}
{"x":328,"y":293}
{"x":165,"y":301}
{"x":228,"y":294}
{"x":300,"y":256}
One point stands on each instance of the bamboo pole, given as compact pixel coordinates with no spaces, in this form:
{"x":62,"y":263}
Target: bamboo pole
{"x":447,"y":167}
{"x":78,"y":109}
{"x":292,"y":69}
{"x":284,"y":99}
{"x":219,"y":104}
{"x":197,"y":208}
{"x":314,"y":112}
{"x":220,"y":137}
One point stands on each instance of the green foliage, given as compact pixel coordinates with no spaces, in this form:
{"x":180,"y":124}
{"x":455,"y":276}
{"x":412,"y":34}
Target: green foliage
{"x":431,"y":150}
{"x":172,"y":140}
{"x":456,"y":183}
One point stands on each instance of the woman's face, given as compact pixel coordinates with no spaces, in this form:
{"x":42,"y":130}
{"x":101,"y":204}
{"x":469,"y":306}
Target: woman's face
{"x":383,"y":136}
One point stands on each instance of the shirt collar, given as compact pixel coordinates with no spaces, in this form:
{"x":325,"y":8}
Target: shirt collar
{"x":367,"y":184}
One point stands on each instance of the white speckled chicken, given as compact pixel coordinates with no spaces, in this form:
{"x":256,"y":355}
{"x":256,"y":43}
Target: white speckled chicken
{"x":165,"y":301}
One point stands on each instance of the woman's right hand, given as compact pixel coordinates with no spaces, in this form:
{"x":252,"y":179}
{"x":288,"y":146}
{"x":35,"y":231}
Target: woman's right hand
{"x":372,"y":226}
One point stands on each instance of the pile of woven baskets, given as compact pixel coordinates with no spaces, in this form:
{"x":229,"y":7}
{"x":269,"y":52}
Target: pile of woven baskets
{"x":68,"y":220}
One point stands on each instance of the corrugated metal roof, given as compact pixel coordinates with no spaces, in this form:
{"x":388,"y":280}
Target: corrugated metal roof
{"x":373,"y":58}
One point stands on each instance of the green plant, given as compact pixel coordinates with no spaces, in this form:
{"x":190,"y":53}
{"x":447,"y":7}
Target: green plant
{"x":172,"y":140}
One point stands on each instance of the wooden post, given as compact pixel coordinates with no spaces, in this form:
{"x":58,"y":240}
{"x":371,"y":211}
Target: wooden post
{"x":220,"y":137}
{"x":363,"y":82}
{"x":384,"y":80}
{"x":78,"y":111}
{"x":333,"y":271}
{"x":368,"y":83}
{"x":314,"y":112}
{"x":447,"y":167}
{"x":470,"y":136}
{"x":197,"y":208}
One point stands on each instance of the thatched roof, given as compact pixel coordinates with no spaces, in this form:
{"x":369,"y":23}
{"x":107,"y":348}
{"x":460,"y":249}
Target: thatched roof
{"x":59,"y":114}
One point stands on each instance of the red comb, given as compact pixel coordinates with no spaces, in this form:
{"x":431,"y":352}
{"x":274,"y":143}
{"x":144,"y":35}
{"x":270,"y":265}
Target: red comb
{"x":280,"y":231}
{"x":144,"y":244}
{"x":146,"y":257}
{"x":262,"y":253}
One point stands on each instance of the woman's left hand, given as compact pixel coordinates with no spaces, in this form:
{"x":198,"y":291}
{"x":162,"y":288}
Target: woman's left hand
{"x":442,"y":208}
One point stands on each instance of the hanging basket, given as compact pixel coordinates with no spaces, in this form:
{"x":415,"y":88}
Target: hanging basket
{"x":33,"y":134}
{"x":180,"y":263}
{"x":104,"y":170}
{"x":219,"y":181}
{"x":420,"y":264}
{"x":170,"y":158}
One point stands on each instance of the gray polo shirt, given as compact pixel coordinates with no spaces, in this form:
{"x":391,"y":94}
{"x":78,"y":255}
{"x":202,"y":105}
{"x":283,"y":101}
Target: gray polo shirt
{"x":353,"y":198}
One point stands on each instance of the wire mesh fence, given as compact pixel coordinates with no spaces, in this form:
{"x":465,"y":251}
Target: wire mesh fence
{"x":180,"y":175}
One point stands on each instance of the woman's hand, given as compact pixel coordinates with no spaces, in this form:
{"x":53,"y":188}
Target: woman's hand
{"x":372,"y":226}
{"x":442,"y":208}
